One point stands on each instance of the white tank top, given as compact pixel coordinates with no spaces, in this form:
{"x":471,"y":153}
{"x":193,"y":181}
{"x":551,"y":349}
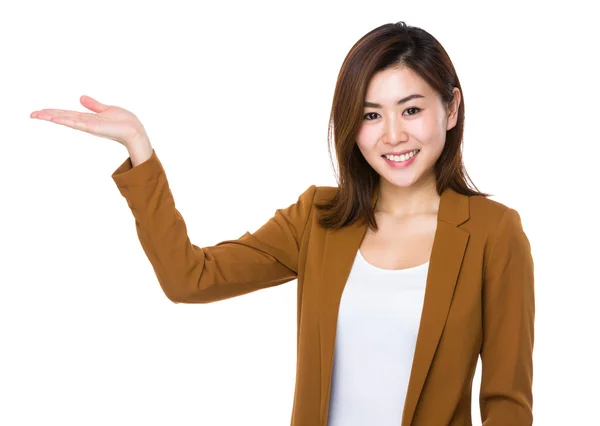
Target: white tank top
{"x":378,"y":321}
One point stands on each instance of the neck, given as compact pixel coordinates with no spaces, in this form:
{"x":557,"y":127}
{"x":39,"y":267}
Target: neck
{"x":419,"y":198}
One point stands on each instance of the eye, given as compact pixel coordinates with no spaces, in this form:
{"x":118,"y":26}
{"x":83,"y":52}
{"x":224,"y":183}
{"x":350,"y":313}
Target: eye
{"x":370,"y":114}
{"x":413,"y":108}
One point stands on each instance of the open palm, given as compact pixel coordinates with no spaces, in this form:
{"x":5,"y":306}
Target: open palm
{"x":106,"y":121}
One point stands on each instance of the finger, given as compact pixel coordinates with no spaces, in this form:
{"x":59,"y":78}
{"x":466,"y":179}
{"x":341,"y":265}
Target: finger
{"x":51,"y":111}
{"x":92,"y":104}
{"x":47,"y":114}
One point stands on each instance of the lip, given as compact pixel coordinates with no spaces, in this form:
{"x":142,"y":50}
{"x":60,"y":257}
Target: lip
{"x":401,"y":165}
{"x":400,"y":152}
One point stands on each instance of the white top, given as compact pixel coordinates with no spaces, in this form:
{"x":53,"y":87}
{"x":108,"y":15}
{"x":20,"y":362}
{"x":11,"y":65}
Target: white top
{"x":376,"y":335}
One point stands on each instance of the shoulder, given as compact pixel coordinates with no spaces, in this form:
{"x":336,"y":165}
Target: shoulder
{"x":312,"y":195}
{"x":484,"y":212}
{"x":501,"y":223}
{"x":490,"y":213}
{"x":324,"y":193}
{"x":317,"y":194}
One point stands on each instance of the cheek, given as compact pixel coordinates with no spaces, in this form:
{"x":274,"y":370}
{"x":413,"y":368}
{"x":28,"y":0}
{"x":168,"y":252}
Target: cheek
{"x":367,"y":136}
{"x":363,"y":133}
{"x":426,"y":130}
{"x":431,"y":135}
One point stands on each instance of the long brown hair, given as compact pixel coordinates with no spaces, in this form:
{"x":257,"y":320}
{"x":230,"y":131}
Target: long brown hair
{"x":387,"y":46}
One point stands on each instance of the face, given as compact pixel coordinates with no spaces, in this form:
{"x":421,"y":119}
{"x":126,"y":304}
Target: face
{"x":389,"y":127}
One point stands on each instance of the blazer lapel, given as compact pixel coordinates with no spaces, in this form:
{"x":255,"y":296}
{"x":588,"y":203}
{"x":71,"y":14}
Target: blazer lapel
{"x":448,"y":249}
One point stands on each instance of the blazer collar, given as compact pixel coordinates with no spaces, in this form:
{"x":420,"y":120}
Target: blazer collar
{"x":447,"y":253}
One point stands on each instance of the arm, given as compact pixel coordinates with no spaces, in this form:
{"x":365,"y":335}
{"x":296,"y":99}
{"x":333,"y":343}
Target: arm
{"x":508,"y":327}
{"x":191,"y":274}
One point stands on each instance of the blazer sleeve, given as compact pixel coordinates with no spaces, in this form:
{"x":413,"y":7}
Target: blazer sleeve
{"x":508,"y":327}
{"x":191,"y":274}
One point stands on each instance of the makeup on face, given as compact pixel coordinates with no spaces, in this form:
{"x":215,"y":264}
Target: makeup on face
{"x":402,"y":161}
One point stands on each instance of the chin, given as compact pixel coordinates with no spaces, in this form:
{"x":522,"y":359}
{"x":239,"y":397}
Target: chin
{"x":402,"y":180}
{"x":401,"y":183}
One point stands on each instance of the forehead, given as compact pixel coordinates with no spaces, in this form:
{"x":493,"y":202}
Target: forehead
{"x":393,"y":83}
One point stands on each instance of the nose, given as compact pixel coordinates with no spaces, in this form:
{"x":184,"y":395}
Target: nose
{"x":394,"y":131}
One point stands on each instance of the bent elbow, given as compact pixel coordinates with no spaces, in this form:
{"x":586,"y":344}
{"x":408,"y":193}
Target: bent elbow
{"x":185,"y":295}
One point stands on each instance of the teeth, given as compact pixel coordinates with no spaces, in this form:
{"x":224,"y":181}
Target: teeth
{"x":402,"y":157}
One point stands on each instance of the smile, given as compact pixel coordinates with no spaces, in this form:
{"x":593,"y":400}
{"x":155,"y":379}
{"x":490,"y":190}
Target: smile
{"x":400,"y":161}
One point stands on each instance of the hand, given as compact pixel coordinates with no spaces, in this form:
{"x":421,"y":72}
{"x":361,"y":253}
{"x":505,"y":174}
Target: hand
{"x":110,"y":122}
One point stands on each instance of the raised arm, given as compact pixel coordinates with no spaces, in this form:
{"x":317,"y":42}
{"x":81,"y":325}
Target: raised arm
{"x":508,"y":327}
{"x":191,"y":274}
{"x":188,"y":273}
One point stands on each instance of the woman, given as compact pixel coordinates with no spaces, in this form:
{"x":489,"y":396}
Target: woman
{"x":405,"y":273}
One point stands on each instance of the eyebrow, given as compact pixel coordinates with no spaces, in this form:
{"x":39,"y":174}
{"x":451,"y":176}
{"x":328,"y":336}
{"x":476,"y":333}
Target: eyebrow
{"x":401,"y":101}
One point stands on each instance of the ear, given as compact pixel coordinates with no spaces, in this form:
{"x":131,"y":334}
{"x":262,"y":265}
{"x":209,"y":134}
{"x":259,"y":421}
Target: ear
{"x":453,"y":109}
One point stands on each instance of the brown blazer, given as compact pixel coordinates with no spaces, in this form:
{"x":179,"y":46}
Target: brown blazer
{"x":479,"y":297}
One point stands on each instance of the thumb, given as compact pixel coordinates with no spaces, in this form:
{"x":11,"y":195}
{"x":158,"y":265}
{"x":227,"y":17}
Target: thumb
{"x":92,"y":104}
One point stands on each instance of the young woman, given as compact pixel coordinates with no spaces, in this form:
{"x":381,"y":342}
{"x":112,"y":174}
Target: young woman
{"x":406,"y":275}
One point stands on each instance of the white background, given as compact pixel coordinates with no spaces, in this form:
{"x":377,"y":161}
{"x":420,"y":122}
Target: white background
{"x":235,"y":97}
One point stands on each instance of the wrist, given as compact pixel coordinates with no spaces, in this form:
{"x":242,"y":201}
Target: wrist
{"x":139,"y":151}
